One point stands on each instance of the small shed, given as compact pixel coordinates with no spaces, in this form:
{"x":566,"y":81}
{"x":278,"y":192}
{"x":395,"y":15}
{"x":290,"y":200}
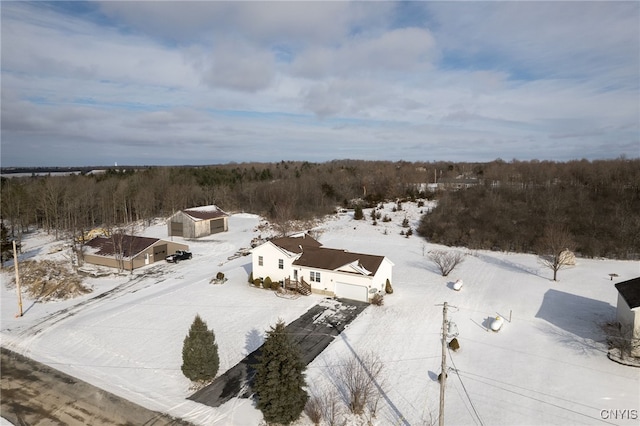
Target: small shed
{"x":198,"y":222}
{"x":628,"y":310}
{"x":128,"y":252}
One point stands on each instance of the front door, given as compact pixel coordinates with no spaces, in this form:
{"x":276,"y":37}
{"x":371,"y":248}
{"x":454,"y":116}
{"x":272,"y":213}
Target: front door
{"x":295,"y":275}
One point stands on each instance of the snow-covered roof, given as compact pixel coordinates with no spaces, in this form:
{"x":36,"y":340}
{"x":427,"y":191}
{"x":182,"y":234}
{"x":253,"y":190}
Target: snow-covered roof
{"x":205,"y":212}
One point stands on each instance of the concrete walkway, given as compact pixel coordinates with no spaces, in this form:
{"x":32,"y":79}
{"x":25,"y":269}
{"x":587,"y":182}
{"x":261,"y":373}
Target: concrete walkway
{"x":313,"y":332}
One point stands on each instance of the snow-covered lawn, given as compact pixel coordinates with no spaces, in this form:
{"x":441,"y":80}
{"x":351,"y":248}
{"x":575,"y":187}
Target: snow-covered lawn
{"x":547,"y":365}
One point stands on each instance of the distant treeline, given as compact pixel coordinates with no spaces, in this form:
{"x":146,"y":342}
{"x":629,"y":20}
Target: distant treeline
{"x":599,"y":201}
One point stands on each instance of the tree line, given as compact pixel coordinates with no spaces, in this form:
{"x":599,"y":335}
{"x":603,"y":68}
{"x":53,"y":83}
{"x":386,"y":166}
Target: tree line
{"x":598,"y":201}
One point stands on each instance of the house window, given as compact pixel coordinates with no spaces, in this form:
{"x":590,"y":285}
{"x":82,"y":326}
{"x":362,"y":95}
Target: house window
{"x":260,"y":261}
{"x":280,"y":264}
{"x":314,"y":276}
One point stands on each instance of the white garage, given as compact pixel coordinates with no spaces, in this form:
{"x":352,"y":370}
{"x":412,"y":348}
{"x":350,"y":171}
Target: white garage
{"x":352,"y":291}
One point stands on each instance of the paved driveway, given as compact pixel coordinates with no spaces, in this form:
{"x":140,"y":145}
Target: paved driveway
{"x":313,"y":332}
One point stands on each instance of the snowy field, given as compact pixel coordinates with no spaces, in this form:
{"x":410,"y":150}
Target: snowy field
{"x":546,"y":366}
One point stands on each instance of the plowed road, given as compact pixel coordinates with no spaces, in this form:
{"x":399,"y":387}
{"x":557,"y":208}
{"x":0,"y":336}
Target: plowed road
{"x":35,"y":394}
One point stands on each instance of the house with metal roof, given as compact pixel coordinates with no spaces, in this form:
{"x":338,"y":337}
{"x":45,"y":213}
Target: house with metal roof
{"x":128,"y":252}
{"x":198,"y":222}
{"x":301,"y":262}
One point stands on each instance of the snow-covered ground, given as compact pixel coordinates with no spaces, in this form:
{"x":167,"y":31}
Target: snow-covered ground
{"x":547,"y":365}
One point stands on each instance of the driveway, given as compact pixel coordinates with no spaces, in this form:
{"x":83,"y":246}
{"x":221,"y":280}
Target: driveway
{"x":313,"y":332}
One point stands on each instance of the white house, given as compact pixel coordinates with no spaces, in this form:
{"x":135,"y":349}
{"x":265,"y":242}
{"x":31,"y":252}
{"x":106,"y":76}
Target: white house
{"x":628,"y":310}
{"x":198,"y":222}
{"x":333,"y":272}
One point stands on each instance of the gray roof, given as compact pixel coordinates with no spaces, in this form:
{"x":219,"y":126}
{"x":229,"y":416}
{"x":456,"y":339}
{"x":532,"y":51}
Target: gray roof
{"x":630,"y":292}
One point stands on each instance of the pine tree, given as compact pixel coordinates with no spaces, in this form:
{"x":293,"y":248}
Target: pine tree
{"x":280,"y":381}
{"x":358,"y":214}
{"x":200,"y":361}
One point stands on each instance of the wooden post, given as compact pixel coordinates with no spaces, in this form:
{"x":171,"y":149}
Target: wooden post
{"x":443,"y":373}
{"x":15,"y":265}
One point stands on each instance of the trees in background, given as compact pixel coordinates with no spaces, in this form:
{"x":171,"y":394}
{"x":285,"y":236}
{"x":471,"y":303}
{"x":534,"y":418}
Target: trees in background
{"x":279,"y":379}
{"x":598,"y":201}
{"x":200,"y":360}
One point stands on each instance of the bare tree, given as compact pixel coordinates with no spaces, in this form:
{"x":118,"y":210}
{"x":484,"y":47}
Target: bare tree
{"x":555,"y":248}
{"x":360,"y":377}
{"x":446,"y":261}
{"x":620,"y":337}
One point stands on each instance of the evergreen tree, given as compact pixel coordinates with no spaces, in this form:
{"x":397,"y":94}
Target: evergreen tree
{"x":200,"y":359}
{"x":357,"y":213}
{"x":280,"y":381}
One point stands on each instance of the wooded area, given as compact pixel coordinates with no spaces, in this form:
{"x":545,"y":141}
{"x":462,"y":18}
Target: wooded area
{"x":510,"y":206}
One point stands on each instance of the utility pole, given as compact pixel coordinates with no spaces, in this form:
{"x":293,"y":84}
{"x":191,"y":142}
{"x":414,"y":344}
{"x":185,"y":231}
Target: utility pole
{"x":443,"y":368}
{"x":15,"y":265}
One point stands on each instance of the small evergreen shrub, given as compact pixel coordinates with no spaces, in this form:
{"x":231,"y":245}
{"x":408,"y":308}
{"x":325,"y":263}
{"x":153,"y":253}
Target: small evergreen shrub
{"x":358,"y":214}
{"x":386,"y":218}
{"x":409,"y":232}
{"x":220,"y":276}
{"x":267,"y":282}
{"x":275,"y":285}
{"x":454,"y":345}
{"x":377,"y":299}
{"x":405,"y":222}
{"x":257,"y":282}
{"x":387,"y":287}
{"x":251,"y":278}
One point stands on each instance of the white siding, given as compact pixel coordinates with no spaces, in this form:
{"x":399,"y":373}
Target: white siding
{"x":271,"y":254}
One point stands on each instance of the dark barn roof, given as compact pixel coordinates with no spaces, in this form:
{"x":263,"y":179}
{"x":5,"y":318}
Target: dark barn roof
{"x":630,"y":292}
{"x":130,"y":245}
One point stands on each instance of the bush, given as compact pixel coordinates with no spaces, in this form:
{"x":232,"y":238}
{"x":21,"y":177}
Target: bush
{"x":251,"y":281}
{"x":387,"y":287}
{"x":257,"y":282}
{"x":358,"y":214}
{"x":275,"y":285}
{"x":220,"y":276}
{"x":454,"y":345}
{"x":267,"y":282}
{"x":377,"y":299}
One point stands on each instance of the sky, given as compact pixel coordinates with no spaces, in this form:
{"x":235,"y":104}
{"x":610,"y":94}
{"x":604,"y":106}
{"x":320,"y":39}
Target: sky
{"x":213,"y":82}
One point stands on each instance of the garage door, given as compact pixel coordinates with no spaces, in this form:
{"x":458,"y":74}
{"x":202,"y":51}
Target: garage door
{"x":351,"y":291}
{"x":176,"y":229}
{"x":216,"y":225}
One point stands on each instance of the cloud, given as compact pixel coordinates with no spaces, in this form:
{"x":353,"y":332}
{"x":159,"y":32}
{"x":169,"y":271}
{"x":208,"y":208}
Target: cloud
{"x":318,"y":81}
{"x":403,"y":51}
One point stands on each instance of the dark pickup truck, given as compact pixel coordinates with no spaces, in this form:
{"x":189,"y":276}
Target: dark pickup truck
{"x":178,"y":256}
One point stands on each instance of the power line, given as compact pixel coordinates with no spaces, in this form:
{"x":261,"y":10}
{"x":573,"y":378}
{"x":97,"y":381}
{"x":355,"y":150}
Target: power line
{"x":455,"y":369}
